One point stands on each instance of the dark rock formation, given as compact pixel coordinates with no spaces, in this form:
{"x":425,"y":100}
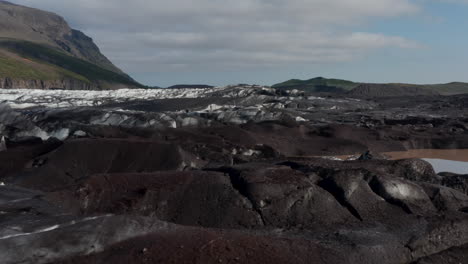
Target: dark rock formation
{"x":315,"y":209}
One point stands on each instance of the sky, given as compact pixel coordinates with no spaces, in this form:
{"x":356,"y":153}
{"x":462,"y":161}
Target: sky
{"x":220,"y":42}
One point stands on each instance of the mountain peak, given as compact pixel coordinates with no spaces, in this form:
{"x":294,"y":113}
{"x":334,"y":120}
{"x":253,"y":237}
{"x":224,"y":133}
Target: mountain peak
{"x":30,"y":24}
{"x":22,"y":29}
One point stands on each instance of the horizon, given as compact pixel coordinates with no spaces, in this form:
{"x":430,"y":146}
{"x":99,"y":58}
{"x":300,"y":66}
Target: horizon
{"x":257,"y":42}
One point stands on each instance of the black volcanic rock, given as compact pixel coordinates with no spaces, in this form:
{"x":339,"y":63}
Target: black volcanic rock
{"x":455,"y":181}
{"x":81,"y":158}
{"x":455,"y":255}
{"x":193,"y":198}
{"x":287,"y":198}
{"x":239,"y":175}
{"x":347,"y":213}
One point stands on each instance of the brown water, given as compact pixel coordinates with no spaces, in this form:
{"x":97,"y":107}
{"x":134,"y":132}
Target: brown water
{"x":443,"y":154}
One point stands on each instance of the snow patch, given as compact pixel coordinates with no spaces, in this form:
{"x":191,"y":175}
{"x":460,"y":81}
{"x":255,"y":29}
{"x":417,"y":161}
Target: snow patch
{"x":189,"y":121}
{"x":61,"y":134}
{"x":401,"y":190}
{"x":35,"y":132}
{"x":251,"y":152}
{"x":80,"y":133}
{"x":54,"y":227}
{"x":3,"y":146}
{"x":47,"y":229}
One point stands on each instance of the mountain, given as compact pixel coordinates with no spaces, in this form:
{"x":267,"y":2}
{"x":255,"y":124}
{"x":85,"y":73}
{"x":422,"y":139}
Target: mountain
{"x":190,"y":86}
{"x":325,"y":85}
{"x":318,"y":84}
{"x":449,"y":88}
{"x":390,"y":90}
{"x":38,"y":49}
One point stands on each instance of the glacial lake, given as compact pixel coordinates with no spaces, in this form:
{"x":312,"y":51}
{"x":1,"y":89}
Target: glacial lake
{"x":443,"y":160}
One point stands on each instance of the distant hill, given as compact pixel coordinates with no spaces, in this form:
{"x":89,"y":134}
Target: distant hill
{"x":318,"y":84}
{"x":39,"y":50}
{"x":188,"y":86}
{"x":390,"y":90}
{"x":324,"y":85}
{"x":449,"y":88}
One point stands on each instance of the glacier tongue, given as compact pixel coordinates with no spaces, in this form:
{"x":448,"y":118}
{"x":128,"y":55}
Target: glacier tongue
{"x":24,"y":98}
{"x":60,"y":114}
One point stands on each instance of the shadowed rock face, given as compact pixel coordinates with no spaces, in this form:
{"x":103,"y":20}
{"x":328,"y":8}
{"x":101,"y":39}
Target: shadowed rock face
{"x":190,"y":198}
{"x":230,"y":177}
{"x":71,"y":84}
{"x":81,"y":158}
{"x":449,"y":256}
{"x":210,"y":246}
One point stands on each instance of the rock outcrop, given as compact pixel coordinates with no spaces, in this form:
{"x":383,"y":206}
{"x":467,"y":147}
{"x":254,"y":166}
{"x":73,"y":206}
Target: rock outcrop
{"x":67,"y":84}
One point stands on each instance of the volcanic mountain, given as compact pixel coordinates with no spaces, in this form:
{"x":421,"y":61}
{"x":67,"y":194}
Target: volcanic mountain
{"x":38,"y":49}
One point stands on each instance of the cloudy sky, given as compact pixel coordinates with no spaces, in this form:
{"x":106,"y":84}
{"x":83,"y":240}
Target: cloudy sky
{"x":165,"y":42}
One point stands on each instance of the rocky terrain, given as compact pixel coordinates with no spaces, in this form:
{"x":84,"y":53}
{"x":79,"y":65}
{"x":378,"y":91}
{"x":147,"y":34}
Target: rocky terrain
{"x":236,"y":174}
{"x":96,"y":169}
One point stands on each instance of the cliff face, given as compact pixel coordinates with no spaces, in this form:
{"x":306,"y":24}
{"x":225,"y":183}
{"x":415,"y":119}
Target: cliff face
{"x":45,"y":38}
{"x":82,"y":46}
{"x":63,"y":84}
{"x":69,"y":84}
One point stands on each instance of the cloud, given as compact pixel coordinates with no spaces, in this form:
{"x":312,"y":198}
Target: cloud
{"x":191,"y":34}
{"x":454,"y":1}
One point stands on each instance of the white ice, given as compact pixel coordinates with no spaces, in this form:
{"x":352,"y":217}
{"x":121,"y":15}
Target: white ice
{"x":441,"y":165}
{"x":25,"y":98}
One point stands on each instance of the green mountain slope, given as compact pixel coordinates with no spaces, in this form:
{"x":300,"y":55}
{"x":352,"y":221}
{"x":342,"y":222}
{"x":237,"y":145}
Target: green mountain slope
{"x":341,"y":86}
{"x":16,"y":67}
{"x":31,"y":61}
{"x":39,"y":50}
{"x":449,"y":88}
